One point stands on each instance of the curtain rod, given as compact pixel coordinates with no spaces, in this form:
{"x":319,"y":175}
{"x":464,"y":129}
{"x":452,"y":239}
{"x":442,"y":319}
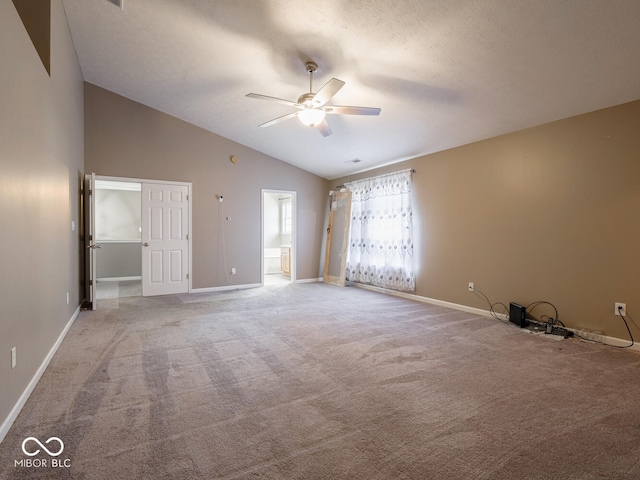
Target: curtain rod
{"x":412,"y":170}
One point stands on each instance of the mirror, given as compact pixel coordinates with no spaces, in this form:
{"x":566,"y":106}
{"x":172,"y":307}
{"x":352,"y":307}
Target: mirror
{"x":337,"y":238}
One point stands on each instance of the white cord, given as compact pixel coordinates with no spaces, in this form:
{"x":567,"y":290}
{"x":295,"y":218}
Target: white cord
{"x":224,"y":248}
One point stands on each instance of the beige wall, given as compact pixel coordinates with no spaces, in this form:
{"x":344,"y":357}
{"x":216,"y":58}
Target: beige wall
{"x":126,"y":139}
{"x":549,"y":213}
{"x":41,"y":163}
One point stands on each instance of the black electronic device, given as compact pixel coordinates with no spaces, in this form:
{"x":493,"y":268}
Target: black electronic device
{"x":517,"y":314}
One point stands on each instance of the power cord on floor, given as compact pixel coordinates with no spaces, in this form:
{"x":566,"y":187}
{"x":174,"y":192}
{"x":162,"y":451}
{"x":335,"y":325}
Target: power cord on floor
{"x":552,"y":325}
{"x":532,"y":306}
{"x":553,"y":321}
{"x":493,"y":313}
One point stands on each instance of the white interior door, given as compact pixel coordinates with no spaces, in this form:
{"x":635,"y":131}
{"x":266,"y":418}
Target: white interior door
{"x":89,"y":206}
{"x":165,"y":240}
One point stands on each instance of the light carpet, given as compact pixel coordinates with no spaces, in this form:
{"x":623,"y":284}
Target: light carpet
{"x":312,"y":381}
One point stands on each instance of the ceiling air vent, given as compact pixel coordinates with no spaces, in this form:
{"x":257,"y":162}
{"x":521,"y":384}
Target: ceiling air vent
{"x":117,"y":3}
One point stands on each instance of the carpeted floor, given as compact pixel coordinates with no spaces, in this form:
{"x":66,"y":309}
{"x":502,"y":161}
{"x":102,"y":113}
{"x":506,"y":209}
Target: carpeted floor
{"x":312,"y":381}
{"x":276,"y":279}
{"x":115,"y":289}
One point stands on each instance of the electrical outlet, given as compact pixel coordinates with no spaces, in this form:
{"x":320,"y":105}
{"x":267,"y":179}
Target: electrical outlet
{"x":233,"y":271}
{"x":621,"y":311}
{"x":13,"y":357}
{"x":471,"y":287}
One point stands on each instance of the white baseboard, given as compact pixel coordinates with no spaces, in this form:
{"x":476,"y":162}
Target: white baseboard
{"x":225,"y":288}
{"x":118,"y":279}
{"x":249,"y":285}
{"x":433,"y":301}
{"x":606,"y":340}
{"x":309,"y":280}
{"x":602,"y":339}
{"x":6,"y":425}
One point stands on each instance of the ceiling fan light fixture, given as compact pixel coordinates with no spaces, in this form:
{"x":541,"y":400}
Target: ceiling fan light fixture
{"x":312,"y":107}
{"x":311,"y":116}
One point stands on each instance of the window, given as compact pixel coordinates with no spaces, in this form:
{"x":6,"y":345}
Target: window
{"x":286,"y":217}
{"x":381,"y":232}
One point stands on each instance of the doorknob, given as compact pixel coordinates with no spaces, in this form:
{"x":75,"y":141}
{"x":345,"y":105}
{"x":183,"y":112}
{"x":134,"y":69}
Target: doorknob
{"x":145,"y":244}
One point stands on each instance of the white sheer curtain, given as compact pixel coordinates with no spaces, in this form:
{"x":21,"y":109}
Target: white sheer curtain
{"x":381,"y":232}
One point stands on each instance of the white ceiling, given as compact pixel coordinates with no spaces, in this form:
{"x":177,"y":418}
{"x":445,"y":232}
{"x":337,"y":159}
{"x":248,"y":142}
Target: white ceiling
{"x":444,"y":72}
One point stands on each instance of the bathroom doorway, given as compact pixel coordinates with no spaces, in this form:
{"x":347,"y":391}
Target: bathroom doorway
{"x":278,"y":237}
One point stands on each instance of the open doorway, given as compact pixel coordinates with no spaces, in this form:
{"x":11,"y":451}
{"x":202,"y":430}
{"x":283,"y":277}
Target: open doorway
{"x":278,"y":237}
{"x":137,"y":236}
{"x":118,"y":236}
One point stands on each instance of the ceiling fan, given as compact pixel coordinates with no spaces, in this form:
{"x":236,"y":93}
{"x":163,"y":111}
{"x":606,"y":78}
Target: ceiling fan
{"x":313,"y":106}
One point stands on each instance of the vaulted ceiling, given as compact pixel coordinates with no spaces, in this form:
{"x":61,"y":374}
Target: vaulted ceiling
{"x":444,"y":72}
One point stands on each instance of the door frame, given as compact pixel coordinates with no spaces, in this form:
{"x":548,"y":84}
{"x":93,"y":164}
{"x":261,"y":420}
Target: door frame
{"x":294,"y":230}
{"x":189,"y":186}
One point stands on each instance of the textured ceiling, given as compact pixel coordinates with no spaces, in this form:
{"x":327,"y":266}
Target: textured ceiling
{"x":444,"y":72}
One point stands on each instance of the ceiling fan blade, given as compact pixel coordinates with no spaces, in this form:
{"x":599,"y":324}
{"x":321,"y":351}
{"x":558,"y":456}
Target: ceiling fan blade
{"x":327,"y":92}
{"x":324,"y":128}
{"x":279,"y":119}
{"x":274,"y":99}
{"x":344,"y":110}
